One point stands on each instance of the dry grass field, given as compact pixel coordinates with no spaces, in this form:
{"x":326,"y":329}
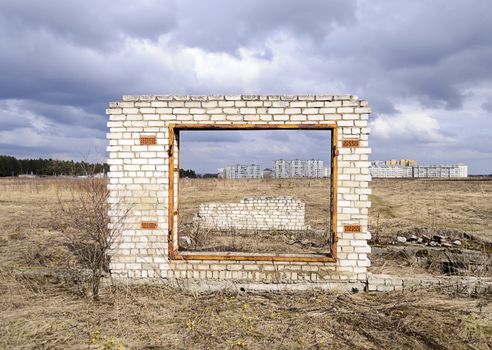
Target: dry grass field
{"x":402,"y":205}
{"x":55,"y":313}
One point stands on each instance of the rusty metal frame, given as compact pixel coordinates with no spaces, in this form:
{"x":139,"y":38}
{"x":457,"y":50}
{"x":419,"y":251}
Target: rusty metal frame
{"x":173,"y":205}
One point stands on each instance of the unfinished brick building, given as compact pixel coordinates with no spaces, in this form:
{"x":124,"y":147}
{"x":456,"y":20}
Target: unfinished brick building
{"x":144,"y":176}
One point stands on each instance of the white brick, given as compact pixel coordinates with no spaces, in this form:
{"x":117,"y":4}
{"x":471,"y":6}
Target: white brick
{"x":344,"y":123}
{"x":201,"y":117}
{"x":130,"y":110}
{"x":197,"y":110}
{"x":298,"y":104}
{"x":210,"y":104}
{"x":281,"y":104}
{"x":298,"y":117}
{"x":247,"y":110}
{"x":345,"y":110}
{"x":275,"y":110}
{"x":231,"y":110}
{"x":310,"y":111}
{"x":280,"y":117}
{"x":233,"y":97}
{"x":181,"y":110}
{"x":292,"y":111}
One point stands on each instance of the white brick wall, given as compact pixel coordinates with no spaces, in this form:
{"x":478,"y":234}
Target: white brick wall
{"x":254,"y":213}
{"x":139,"y":177}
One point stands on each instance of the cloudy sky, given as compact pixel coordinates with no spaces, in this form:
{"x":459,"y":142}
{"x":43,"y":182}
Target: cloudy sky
{"x":424,"y":66}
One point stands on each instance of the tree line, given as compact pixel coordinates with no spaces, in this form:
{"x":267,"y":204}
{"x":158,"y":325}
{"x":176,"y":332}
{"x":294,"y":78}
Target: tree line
{"x":193,"y":175}
{"x":11,"y":166}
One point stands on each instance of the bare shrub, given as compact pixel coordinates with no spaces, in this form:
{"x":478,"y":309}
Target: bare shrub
{"x":87,"y":227}
{"x":199,"y":235}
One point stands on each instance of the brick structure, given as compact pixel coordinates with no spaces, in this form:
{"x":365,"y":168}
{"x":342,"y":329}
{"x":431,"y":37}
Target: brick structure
{"x":144,"y":176}
{"x":449,"y":284}
{"x":254,"y":213}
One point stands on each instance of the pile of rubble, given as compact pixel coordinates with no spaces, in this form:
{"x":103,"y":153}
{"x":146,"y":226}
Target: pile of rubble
{"x":432,"y":241}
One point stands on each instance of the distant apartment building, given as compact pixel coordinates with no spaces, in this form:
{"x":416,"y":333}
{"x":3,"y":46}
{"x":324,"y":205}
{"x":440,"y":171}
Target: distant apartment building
{"x":221,"y":173}
{"x":390,"y":171}
{"x":267,"y":173}
{"x":238,"y":171}
{"x":401,"y":162}
{"x":395,"y":169}
{"x":459,"y":170}
{"x":298,"y":168}
{"x":326,"y":171}
{"x":463,"y":170}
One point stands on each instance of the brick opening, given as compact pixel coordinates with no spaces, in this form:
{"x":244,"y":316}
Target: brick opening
{"x":269,"y":226}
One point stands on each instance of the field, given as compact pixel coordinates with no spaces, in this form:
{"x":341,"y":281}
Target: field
{"x":453,"y":204}
{"x":54,"y":313}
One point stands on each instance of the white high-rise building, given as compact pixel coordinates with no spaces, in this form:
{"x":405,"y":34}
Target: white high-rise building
{"x":327,"y":171}
{"x":221,"y":173}
{"x":238,"y":171}
{"x":463,"y":170}
{"x":386,"y":170}
{"x":297,"y":168}
{"x":441,"y":171}
{"x":390,"y":171}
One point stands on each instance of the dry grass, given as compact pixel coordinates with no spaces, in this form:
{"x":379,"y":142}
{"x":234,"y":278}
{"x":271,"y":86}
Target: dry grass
{"x":461,"y":205}
{"x":456,"y":209}
{"x":46,"y":316}
{"x":58,"y":315}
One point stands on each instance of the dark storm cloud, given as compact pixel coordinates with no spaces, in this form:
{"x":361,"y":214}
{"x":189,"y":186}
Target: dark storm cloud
{"x":429,"y":50}
{"x":62,"y":61}
{"x":80,"y":22}
{"x":229,"y":25}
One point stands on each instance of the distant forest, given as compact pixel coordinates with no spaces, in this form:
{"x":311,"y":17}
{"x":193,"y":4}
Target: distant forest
{"x":193,"y":175}
{"x":11,"y":166}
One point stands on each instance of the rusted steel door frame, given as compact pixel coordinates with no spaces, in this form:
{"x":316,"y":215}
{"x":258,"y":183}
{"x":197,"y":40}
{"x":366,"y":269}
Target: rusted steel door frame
{"x":173,"y":204}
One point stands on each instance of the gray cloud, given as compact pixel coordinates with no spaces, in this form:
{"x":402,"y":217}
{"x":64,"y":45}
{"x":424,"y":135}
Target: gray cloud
{"x":101,"y":26}
{"x":229,"y":25}
{"x":487,"y":105}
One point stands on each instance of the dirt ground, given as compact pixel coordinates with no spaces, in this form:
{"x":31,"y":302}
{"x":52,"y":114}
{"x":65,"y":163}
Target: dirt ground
{"x":51,"y":314}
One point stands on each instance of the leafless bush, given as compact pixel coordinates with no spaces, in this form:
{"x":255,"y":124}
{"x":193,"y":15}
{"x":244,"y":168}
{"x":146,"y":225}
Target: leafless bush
{"x":87,"y":227}
{"x":199,"y":235}
{"x":233,"y":235}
